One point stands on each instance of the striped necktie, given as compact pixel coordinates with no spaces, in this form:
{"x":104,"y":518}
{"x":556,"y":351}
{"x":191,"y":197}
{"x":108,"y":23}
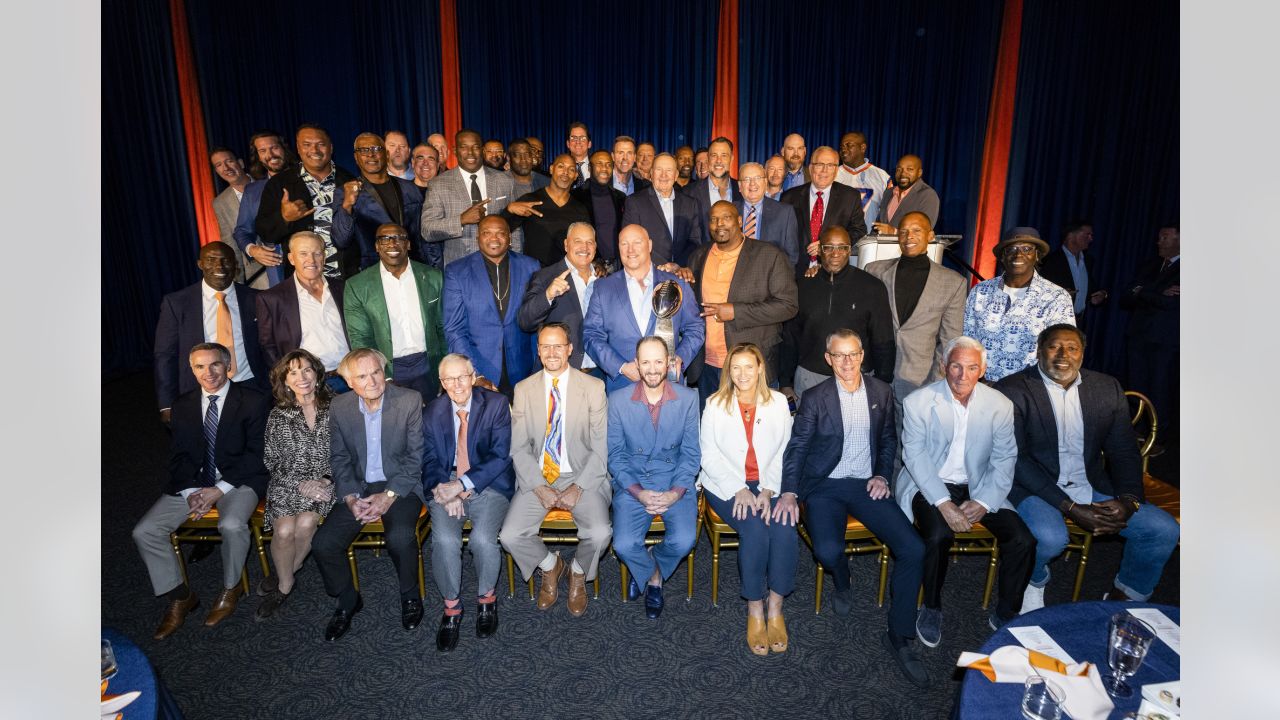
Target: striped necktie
{"x":551,"y":443}
{"x":210,"y":440}
{"x":749,"y":226}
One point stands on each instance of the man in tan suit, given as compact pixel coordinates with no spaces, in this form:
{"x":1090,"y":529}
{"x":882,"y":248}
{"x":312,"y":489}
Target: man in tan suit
{"x":559,"y":446}
{"x":226,"y":206}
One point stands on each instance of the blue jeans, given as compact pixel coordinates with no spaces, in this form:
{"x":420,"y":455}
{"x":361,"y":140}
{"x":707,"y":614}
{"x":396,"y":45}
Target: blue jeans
{"x":631,"y":523}
{"x":766,"y":553}
{"x":1150,"y":537}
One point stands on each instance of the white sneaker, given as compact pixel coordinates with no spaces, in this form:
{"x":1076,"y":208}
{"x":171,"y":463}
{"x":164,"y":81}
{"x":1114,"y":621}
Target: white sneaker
{"x":1032,"y":599}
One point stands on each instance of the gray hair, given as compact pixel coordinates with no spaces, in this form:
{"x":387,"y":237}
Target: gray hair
{"x":222,"y":351}
{"x":583,"y":225}
{"x":455,"y":357}
{"x":348,"y":363}
{"x":966,"y":342}
{"x":305,"y":234}
{"x":842,"y":334}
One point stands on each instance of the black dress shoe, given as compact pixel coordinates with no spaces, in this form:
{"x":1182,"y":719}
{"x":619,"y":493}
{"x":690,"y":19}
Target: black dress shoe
{"x":653,"y":601}
{"x":447,"y":636}
{"x":341,"y":620}
{"x":842,"y":601}
{"x":410,"y":612}
{"x":487,"y":620}
{"x":908,"y":661}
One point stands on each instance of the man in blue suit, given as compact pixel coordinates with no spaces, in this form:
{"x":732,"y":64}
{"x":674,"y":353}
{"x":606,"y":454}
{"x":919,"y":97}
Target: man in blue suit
{"x":763,"y":218}
{"x":669,"y":216}
{"x":482,"y":293}
{"x":838,"y":462}
{"x":271,"y":156}
{"x":716,"y":186}
{"x":467,"y":468}
{"x":213,"y":310}
{"x":653,"y":458}
{"x":621,"y":312}
{"x":375,"y":199}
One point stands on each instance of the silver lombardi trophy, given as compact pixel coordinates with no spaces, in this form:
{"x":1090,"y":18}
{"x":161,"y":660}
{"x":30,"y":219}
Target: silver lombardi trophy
{"x":667,"y":298}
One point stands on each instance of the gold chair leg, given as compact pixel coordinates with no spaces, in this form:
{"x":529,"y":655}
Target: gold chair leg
{"x":884,"y":575}
{"x":817,"y":595}
{"x":422,"y":575}
{"x":355,"y":572}
{"x":991,"y":576}
{"x":182,"y":563}
{"x":1087,"y":545}
{"x":511,"y":577}
{"x":244,"y":579}
{"x":595,"y":582}
{"x":622,"y":575}
{"x":261,"y":545}
{"x":715,"y":567}
{"x":689,"y":593}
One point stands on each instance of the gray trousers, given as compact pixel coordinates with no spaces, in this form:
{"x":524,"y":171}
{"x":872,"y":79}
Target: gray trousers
{"x":486,"y":512}
{"x":151,"y":534}
{"x":805,"y":380}
{"x":524,"y":518}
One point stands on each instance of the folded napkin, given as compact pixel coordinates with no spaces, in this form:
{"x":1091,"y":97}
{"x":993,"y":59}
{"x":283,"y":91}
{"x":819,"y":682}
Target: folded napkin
{"x":1079,"y":683}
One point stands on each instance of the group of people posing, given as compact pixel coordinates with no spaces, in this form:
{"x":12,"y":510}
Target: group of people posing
{"x":923,"y":408}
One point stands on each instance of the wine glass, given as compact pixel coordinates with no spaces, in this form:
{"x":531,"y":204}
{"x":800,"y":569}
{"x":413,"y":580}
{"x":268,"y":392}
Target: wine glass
{"x":1129,"y":641}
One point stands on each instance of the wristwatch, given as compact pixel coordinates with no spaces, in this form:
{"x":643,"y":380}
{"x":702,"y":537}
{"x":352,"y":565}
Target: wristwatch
{"x":391,"y":494}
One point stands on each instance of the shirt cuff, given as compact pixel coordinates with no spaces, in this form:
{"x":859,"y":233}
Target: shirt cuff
{"x":466,"y":483}
{"x":984,"y":505}
{"x":224,"y":486}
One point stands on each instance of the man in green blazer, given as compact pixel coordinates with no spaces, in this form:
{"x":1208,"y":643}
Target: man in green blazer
{"x":394,"y":307}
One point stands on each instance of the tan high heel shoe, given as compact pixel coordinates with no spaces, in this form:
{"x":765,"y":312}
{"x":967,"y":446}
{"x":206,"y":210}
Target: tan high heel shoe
{"x":757,"y":636}
{"x":777,"y":634}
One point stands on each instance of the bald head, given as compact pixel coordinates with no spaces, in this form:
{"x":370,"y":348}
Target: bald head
{"x":751,"y":180}
{"x":793,"y":151}
{"x":635,"y":249}
{"x":909,"y":170}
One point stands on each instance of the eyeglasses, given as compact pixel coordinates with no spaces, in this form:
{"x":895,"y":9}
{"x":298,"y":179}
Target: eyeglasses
{"x":391,"y":239}
{"x":845,"y":357}
{"x":370,"y":150}
{"x":835,"y":248}
{"x":750,"y":178}
{"x":1020,"y":250}
{"x":457,"y":379}
{"x":824,"y":166}
{"x":558,"y":347}
{"x":578,"y":138}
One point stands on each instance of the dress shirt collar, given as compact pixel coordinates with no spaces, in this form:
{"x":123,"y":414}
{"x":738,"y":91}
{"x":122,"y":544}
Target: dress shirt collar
{"x":221,"y":393}
{"x":364,"y":409}
{"x":826,"y":194}
{"x":324,"y":288}
{"x":207,"y":292}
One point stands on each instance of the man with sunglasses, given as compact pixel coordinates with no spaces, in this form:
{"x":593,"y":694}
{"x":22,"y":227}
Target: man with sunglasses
{"x":1007,"y":313}
{"x":376,"y":197}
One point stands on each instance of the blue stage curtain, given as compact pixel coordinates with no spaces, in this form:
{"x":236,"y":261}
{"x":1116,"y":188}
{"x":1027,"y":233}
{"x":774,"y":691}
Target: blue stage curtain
{"x":915,"y":76}
{"x":1096,"y":137}
{"x":149,"y":241}
{"x":643,"y":69}
{"x":349,"y":67}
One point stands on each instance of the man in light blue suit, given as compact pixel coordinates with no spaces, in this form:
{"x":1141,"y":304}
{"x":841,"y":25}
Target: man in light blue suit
{"x":763,"y":218}
{"x":482,"y":294}
{"x":653,"y":458}
{"x":621,"y":312}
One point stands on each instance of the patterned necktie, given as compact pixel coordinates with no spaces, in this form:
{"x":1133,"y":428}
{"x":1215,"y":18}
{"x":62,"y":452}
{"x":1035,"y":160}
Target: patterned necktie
{"x":815,"y":226}
{"x":210,"y":440}
{"x":749,"y":227}
{"x":551,"y":443}
{"x":462,"y":459}
{"x":225,"y":336}
{"x":475,"y":190}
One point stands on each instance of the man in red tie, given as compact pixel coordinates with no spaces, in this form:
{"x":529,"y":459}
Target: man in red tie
{"x":823,"y":203}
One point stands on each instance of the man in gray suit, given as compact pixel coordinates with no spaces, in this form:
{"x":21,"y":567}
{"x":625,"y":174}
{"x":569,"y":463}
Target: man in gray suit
{"x":960,"y":450}
{"x":764,"y":218}
{"x":909,"y":194}
{"x":387,"y":420}
{"x":226,"y":208}
{"x":559,"y":445}
{"x":459,"y":199}
{"x":926,"y":302}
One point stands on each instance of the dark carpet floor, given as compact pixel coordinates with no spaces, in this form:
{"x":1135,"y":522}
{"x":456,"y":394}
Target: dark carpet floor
{"x":612,"y":662}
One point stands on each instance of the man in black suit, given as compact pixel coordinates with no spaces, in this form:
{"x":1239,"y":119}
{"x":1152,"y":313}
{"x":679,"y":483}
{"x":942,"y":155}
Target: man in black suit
{"x":306,"y":198}
{"x":577,"y":140}
{"x":1077,"y":458}
{"x":213,"y":310}
{"x":606,"y":204}
{"x":215,"y":461}
{"x":562,"y":293}
{"x":838,"y":462}
{"x":670,"y":217}
{"x":717,"y":185}
{"x":763,"y":218}
{"x":305,"y":311}
{"x":822,"y":203}
{"x":1154,"y":299}
{"x":1070,"y":266}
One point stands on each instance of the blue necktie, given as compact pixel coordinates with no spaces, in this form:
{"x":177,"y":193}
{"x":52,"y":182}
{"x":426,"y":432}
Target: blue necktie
{"x":210,"y":439}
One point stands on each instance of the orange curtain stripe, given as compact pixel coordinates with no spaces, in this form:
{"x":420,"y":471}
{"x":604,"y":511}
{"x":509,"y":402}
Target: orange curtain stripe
{"x":450,"y":84}
{"x":999,"y":139}
{"x":724,"y":114}
{"x":193,"y":124}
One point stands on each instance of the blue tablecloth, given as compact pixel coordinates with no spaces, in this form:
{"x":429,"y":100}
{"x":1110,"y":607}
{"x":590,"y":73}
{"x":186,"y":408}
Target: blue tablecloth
{"x":135,"y":673}
{"x":1081,"y":629}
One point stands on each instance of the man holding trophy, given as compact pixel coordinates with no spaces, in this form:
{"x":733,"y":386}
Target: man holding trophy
{"x":637,"y":302}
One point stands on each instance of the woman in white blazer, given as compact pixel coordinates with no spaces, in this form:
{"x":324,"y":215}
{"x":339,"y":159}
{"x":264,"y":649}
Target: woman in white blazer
{"x":745,"y":429}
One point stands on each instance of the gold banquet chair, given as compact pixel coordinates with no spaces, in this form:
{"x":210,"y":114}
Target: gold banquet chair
{"x":557,"y":528}
{"x":978,"y":541}
{"x":1157,"y":492}
{"x":654,"y":536}
{"x":374,"y":536}
{"x":722,"y":536}
{"x":205,"y":530}
{"x":858,"y":540}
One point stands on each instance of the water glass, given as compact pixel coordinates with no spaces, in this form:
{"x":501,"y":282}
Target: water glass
{"x":1040,"y":700}
{"x":1129,"y":640}
{"x":108,"y":660}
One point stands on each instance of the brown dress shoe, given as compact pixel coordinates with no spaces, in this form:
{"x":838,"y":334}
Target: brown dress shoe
{"x":577,"y":599}
{"x":549,"y":591}
{"x":223,"y":606}
{"x":174,"y":615}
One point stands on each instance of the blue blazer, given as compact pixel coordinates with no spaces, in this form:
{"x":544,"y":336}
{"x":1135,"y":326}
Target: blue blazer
{"x":643,"y":209}
{"x":817,"y":436}
{"x":181,"y":327}
{"x":488,"y":442}
{"x":368,"y":213}
{"x":655,"y":459}
{"x":697,"y":191}
{"x":777,"y":225}
{"x":245,"y":232}
{"x":610,"y":333}
{"x":471,"y":323}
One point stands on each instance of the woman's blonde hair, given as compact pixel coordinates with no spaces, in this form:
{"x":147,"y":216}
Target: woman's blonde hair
{"x":725,"y":395}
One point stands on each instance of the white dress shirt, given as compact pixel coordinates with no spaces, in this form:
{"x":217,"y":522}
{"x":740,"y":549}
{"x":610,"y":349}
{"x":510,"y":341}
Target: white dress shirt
{"x":668,"y":205}
{"x":408,"y":336}
{"x":1069,"y":419}
{"x":480,"y":181}
{"x":952,"y":470}
{"x":584,"y":289}
{"x":322,"y":333}
{"x":210,"y":308}
{"x":641,"y":299}
{"x":221,"y":394}
{"x":565,"y":467}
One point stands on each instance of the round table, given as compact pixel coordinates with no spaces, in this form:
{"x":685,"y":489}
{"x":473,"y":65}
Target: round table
{"x":1081,"y":629}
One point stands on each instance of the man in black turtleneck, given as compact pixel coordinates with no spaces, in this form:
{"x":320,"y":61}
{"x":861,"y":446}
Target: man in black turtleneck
{"x":838,"y":296}
{"x":605,"y":203}
{"x":927,"y":301}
